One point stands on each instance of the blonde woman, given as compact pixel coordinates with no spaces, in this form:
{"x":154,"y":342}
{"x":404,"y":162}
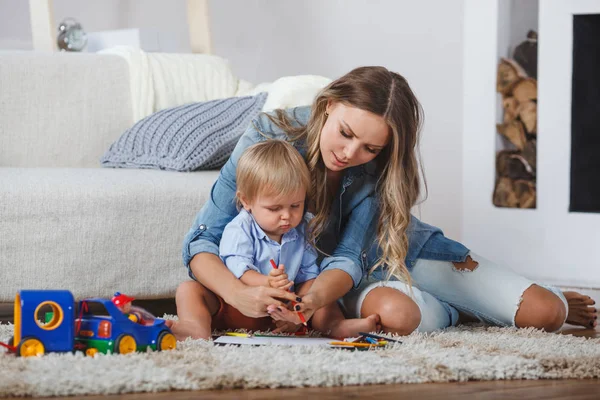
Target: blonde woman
{"x":359,"y":140}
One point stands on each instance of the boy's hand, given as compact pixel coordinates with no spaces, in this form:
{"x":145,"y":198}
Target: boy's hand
{"x":278,"y":279}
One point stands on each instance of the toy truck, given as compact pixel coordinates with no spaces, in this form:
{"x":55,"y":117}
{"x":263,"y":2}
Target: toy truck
{"x":65,"y":329}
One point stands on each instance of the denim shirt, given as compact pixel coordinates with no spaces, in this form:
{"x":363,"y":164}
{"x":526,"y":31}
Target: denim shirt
{"x":349,"y":238}
{"x":245,"y":246}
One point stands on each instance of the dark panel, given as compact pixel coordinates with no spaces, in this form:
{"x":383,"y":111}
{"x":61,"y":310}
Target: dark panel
{"x":585,"y":115}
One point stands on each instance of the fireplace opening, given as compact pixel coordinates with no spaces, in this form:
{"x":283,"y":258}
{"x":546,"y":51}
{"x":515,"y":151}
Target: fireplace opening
{"x":585,"y":115}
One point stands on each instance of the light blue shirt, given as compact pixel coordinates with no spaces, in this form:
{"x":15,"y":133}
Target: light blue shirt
{"x":245,"y":246}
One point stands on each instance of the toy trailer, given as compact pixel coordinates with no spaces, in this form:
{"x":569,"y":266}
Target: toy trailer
{"x":33,"y":337}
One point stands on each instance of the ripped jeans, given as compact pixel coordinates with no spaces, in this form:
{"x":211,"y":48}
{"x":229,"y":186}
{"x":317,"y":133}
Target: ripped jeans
{"x":489,"y":292}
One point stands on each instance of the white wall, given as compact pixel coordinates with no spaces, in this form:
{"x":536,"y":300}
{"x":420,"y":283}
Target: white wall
{"x":266,"y":39}
{"x":548,"y":243}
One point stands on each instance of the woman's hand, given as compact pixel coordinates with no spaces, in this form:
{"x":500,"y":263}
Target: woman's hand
{"x":252,"y":301}
{"x":310,"y":303}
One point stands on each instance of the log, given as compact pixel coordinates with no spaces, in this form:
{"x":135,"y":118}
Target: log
{"x":528,"y":115}
{"x":510,"y":106}
{"x":518,"y":193}
{"x":525,"y":90}
{"x":504,"y":194}
{"x":526,"y":54}
{"x":525,"y":193}
{"x":512,"y":164}
{"x":509,"y":72}
{"x":514,"y":132}
{"x":529,"y":153}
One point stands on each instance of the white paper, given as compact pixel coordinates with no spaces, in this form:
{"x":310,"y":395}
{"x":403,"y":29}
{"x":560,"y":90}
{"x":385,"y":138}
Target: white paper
{"x":276,"y":341}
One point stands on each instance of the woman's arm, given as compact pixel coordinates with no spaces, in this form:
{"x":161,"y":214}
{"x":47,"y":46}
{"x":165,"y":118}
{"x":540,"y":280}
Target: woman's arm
{"x":329,"y":286}
{"x":344,"y":268}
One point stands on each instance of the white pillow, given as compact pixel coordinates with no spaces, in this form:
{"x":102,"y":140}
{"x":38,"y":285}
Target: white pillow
{"x":289,"y":91}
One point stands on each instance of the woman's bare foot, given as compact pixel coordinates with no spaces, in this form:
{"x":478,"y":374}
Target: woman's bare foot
{"x":184,"y":329}
{"x":350,"y":327}
{"x":580,"y":311}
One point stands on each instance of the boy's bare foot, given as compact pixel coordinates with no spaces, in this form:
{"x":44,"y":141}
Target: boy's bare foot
{"x":580,"y":311}
{"x":184,"y":329}
{"x":350,"y":327}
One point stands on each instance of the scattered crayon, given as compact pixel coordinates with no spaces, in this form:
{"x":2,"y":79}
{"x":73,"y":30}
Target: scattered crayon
{"x":378,"y":337}
{"x":238,"y":334}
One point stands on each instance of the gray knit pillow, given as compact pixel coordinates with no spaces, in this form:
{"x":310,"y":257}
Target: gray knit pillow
{"x":186,"y":138}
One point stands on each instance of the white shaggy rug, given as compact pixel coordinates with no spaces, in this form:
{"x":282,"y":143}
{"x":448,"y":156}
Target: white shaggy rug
{"x":456,"y":354}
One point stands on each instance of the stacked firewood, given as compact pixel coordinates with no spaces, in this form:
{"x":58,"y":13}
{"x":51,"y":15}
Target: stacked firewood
{"x":516,"y":165}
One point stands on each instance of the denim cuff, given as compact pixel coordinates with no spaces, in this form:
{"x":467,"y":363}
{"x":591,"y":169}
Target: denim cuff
{"x":346,"y":265}
{"x":197,"y":247}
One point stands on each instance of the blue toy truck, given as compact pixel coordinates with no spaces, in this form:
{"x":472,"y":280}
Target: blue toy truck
{"x":64,"y":331}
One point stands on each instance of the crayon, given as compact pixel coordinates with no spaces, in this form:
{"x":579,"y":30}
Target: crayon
{"x":352,"y":344}
{"x":378,"y":337}
{"x":238,"y":334}
{"x":300,"y":315}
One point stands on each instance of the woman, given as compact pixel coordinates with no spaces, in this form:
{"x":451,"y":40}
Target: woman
{"x":359,"y":140}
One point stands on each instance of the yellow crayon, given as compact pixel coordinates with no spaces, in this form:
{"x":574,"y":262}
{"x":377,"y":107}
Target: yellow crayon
{"x":238,"y":334}
{"x":352,"y":344}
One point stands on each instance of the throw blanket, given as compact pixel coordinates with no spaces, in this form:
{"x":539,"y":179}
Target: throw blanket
{"x":164,"y":80}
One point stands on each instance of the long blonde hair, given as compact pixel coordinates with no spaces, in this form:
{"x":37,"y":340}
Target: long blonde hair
{"x":387,"y":94}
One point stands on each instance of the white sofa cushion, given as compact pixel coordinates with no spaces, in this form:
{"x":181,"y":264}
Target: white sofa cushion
{"x":96,"y":231}
{"x":61,"y":109}
{"x":288,"y":91}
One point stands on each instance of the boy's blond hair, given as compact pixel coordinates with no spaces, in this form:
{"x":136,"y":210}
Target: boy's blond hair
{"x":271,"y":168}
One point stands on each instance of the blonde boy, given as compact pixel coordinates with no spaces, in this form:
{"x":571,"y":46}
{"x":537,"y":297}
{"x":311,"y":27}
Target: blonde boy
{"x":272,"y":184}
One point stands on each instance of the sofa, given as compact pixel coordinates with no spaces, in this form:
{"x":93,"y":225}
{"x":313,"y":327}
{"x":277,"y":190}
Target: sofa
{"x":67,"y":223}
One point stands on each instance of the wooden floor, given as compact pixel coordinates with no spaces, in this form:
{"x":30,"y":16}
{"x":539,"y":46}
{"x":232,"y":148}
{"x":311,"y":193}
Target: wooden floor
{"x":522,"y":390}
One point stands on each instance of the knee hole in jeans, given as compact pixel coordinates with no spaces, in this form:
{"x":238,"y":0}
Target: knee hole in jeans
{"x":469,"y":265}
